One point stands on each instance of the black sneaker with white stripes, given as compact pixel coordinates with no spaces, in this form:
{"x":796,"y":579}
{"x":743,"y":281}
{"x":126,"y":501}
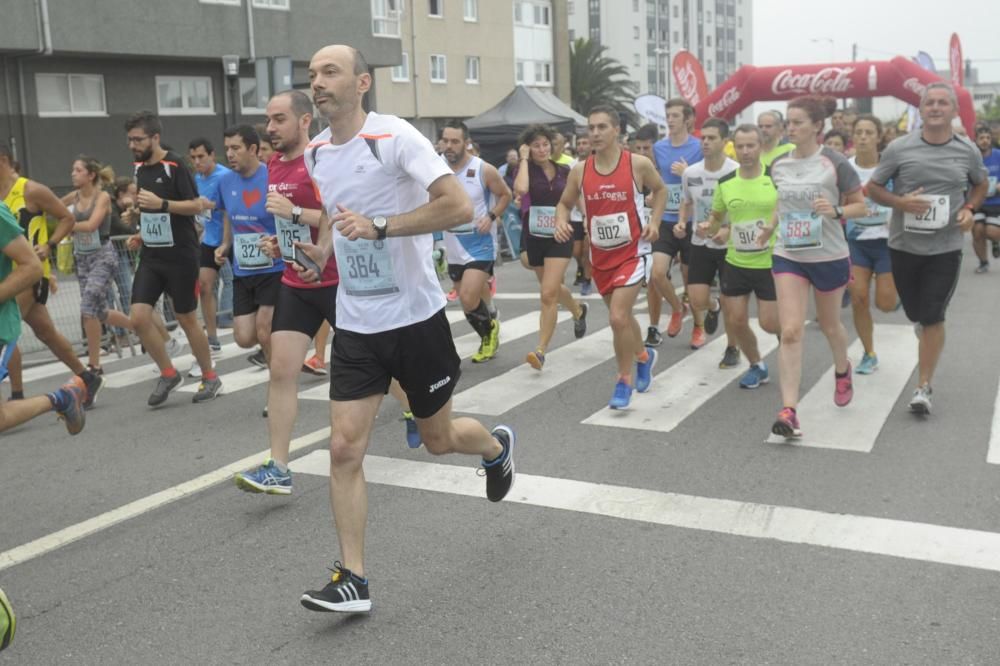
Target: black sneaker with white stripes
{"x":500,"y":471}
{"x":345,"y":593}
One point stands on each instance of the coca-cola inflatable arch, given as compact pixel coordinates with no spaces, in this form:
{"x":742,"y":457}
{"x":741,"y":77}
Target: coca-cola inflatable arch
{"x":898,"y":77}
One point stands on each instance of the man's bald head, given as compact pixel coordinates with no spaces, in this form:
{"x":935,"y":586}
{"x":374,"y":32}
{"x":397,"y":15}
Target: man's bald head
{"x":342,"y":52}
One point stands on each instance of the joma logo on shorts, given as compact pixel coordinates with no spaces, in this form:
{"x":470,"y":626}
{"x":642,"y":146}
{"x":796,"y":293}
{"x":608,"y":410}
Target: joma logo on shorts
{"x":435,"y":386}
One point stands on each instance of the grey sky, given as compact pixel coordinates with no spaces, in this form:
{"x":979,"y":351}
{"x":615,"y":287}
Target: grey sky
{"x":783,"y":30}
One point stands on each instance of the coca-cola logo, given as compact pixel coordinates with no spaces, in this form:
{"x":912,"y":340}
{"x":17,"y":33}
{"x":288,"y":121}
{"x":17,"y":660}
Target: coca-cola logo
{"x":829,"y":80}
{"x":720,"y":106}
{"x":687,"y":81}
{"x":914,"y":86}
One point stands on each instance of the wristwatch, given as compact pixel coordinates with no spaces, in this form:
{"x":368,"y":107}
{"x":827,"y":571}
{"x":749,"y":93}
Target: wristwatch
{"x":164,"y":207}
{"x":296,"y":214}
{"x":838,"y":212}
{"x":493,"y":216}
{"x":381,"y":226}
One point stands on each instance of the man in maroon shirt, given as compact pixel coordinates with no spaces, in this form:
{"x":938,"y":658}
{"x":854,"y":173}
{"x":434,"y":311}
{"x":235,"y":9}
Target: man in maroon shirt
{"x":302,"y":306}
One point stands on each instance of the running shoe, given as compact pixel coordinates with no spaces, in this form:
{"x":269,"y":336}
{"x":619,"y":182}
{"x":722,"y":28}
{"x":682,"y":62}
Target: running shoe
{"x":266,"y":479}
{"x":996,"y":249}
{"x":8,"y":622}
{"x":586,"y":288}
{"x":488,"y":344}
{"x":345,"y":593}
{"x":698,"y":337}
{"x":653,"y":337}
{"x":164,"y":385}
{"x":452,"y":296}
{"x":644,"y":371}
{"x":755,"y":376}
{"x":787,"y":424}
{"x":214,"y":346}
{"x":412,"y":433}
{"x":712,"y":318}
{"x":580,"y":325}
{"x":94,"y":382}
{"x":314,"y":366}
{"x":258,"y":358}
{"x":208,"y":389}
{"x":500,"y":471}
{"x":730,"y":359}
{"x":983,"y":267}
{"x":868,"y":364}
{"x":69,"y":401}
{"x":621,"y":396}
{"x":263,"y":412}
{"x":920,"y":403}
{"x":440,"y":263}
{"x":536,"y":359}
{"x":676,"y":321}
{"x":492,"y":281}
{"x":843,"y":388}
{"x":579,"y":278}
{"x":173,"y":347}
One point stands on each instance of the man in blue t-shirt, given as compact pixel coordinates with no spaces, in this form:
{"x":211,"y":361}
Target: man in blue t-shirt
{"x":672,"y":155}
{"x":987,"y":224}
{"x":257,"y":277}
{"x":207,"y":174}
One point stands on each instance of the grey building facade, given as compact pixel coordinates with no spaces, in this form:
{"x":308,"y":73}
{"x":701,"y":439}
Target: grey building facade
{"x":74,"y":70}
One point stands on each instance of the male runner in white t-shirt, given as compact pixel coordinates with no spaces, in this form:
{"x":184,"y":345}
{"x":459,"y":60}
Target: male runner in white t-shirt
{"x":374,"y":174}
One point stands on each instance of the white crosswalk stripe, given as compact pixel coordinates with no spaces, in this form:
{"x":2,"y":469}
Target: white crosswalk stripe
{"x":856,"y":426}
{"x":144,"y":373}
{"x":680,"y":390}
{"x":234,"y":381}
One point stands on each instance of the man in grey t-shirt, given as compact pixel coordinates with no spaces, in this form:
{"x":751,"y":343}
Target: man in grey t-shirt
{"x":939,"y":179}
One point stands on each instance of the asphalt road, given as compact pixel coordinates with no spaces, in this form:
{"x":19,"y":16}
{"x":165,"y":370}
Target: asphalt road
{"x":697,"y":543}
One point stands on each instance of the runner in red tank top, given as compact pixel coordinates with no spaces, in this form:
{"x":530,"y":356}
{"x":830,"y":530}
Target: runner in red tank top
{"x":611,"y":181}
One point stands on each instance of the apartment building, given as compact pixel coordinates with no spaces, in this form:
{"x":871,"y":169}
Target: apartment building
{"x":460,"y":57}
{"x":71,"y":77}
{"x":642,"y":35}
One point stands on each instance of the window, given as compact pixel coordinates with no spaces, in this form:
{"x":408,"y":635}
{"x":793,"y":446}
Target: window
{"x":401,"y":72}
{"x":250,"y":102}
{"x":519,"y":72}
{"x":385,"y":17}
{"x":675,"y":11}
{"x":439,"y":69}
{"x":70,"y":95}
{"x":472,"y":69}
{"x":436,"y":8}
{"x":235,"y":3}
{"x":271,"y":4}
{"x":677,"y":37}
{"x":184,"y":95}
{"x":708,"y":16}
{"x":638,"y":61}
{"x":708,"y":65}
{"x":635,"y":32}
{"x":572,"y":35}
{"x":635,"y":5}
{"x":739,"y":44}
{"x":708,"y":40}
{"x":471,"y":12}
{"x":569,"y":7}
{"x":543,"y":72}
{"x":517,"y":13}
{"x":541,"y":15}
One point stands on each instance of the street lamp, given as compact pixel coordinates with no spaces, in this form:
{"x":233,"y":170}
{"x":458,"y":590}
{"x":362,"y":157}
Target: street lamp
{"x":231,"y":68}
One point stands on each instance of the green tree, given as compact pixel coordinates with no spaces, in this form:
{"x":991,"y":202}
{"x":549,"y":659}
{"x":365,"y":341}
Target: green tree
{"x":597,"y":79}
{"x":990,"y":110}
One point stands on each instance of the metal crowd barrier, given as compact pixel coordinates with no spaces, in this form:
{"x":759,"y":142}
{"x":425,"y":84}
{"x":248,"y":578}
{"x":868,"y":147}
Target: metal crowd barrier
{"x":64,"y":305}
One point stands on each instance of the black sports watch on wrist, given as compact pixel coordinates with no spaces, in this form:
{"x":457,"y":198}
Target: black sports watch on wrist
{"x":165,"y":206}
{"x":381,"y":226}
{"x":838,"y":212}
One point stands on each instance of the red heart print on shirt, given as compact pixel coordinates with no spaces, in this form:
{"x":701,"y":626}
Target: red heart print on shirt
{"x":250,"y":197}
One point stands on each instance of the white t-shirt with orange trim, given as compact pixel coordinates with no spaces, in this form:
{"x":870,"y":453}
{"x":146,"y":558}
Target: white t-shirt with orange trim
{"x":384,"y":170}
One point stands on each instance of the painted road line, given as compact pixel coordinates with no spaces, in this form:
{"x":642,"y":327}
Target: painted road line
{"x":238,"y":381}
{"x":857,"y":426}
{"x":681,"y":389}
{"x":466,"y":345}
{"x":51,"y":542}
{"x":993,"y":453}
{"x":454,"y":316}
{"x":57,"y":369}
{"x":144,"y":373}
{"x":505,"y":392}
{"x":862,"y":534}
